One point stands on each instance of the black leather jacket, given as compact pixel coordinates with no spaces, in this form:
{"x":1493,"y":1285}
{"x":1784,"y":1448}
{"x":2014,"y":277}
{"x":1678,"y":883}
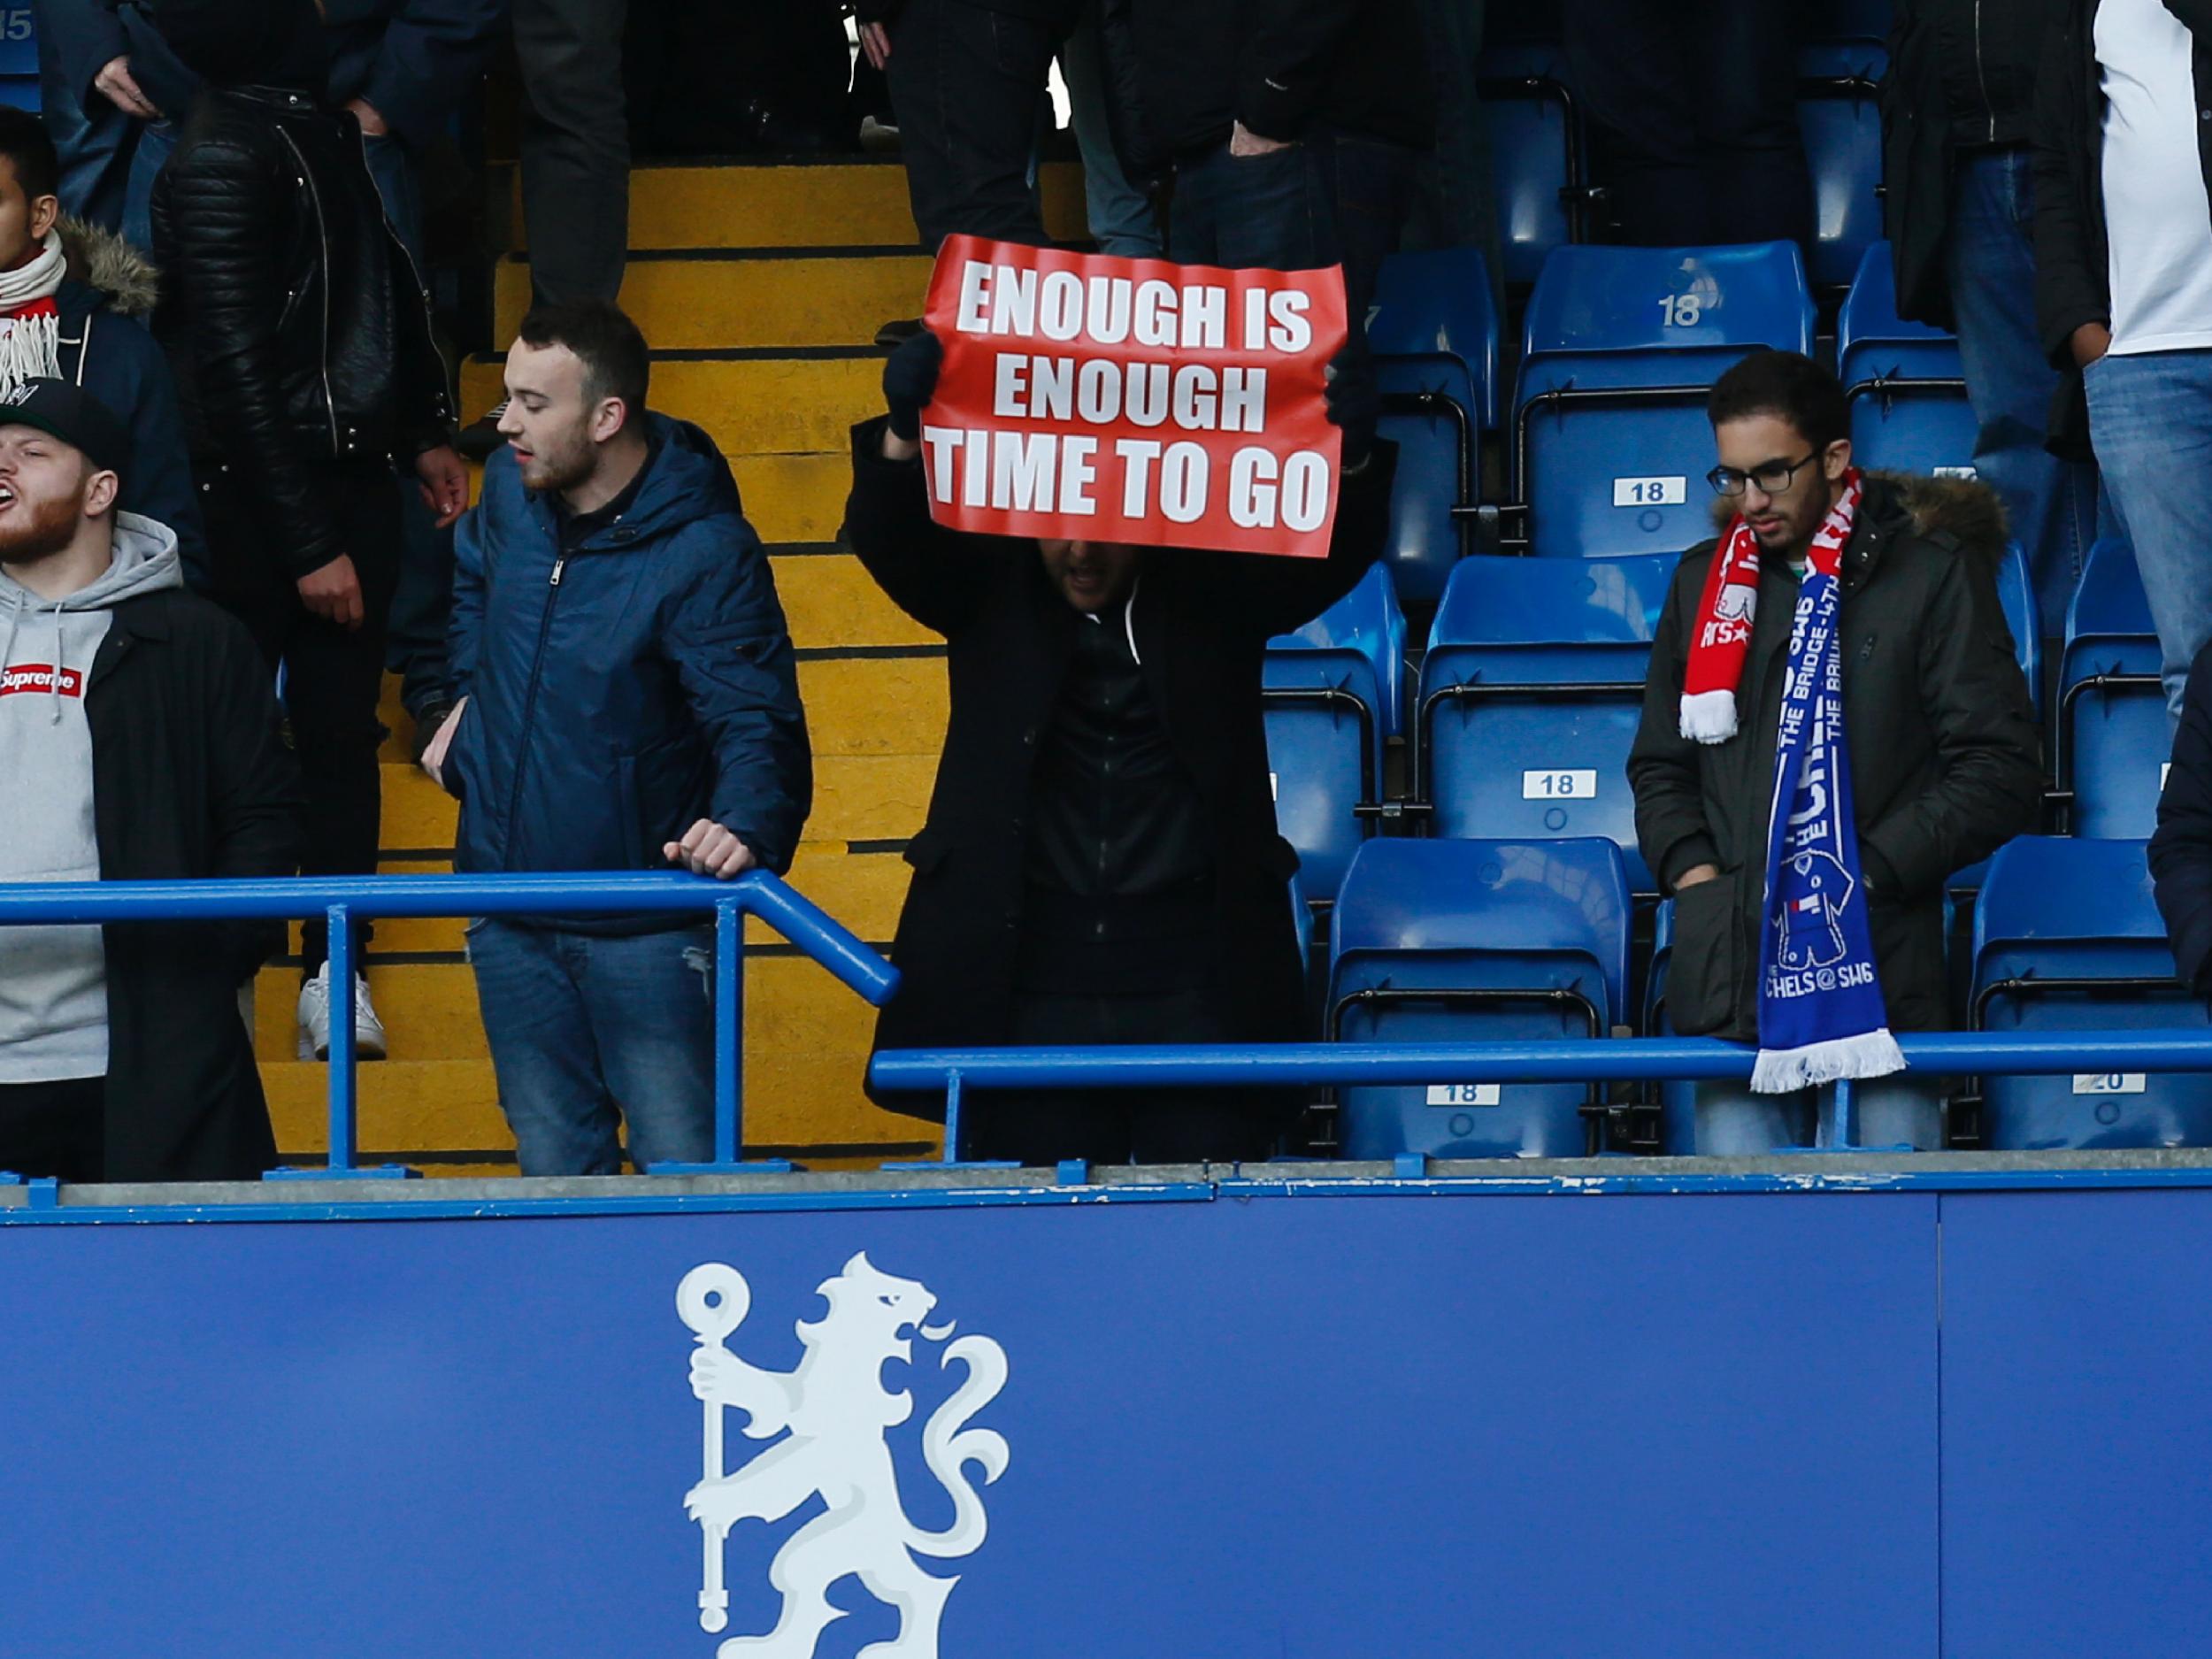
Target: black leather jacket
{"x":297,"y":325}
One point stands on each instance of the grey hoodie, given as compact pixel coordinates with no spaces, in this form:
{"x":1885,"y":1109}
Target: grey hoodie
{"x":53,"y":980}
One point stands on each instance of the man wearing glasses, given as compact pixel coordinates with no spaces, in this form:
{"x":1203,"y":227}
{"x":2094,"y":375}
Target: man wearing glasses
{"x":1938,"y":744}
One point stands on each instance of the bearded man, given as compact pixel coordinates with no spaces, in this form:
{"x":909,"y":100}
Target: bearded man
{"x":626,"y":698}
{"x":141,"y":740}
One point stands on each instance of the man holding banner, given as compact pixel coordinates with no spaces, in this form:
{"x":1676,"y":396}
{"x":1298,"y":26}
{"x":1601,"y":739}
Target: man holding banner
{"x":1069,"y":453}
{"x":1834,"y":725}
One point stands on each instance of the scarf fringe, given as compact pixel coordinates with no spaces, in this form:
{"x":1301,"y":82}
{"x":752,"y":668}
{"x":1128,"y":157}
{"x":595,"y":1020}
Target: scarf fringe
{"x":30,"y":349}
{"x":1708,"y":717}
{"x":1786,"y":1070}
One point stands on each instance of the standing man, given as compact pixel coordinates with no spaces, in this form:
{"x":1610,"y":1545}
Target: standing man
{"x":1958,"y":120}
{"x":1806,"y":845}
{"x":627,"y":701}
{"x":140,"y":741}
{"x":304,"y":361}
{"x":2123,"y":284}
{"x":1101,"y":863}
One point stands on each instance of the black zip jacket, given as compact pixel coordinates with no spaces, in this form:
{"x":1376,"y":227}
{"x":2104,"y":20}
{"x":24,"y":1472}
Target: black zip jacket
{"x":1285,"y":69}
{"x":2072,"y":269}
{"x":1944,"y":761}
{"x":1961,"y":76}
{"x":297,"y":325}
{"x":190,"y":778}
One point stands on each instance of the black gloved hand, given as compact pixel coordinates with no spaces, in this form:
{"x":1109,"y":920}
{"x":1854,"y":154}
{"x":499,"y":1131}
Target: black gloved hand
{"x":1353,"y":405}
{"x":910,"y":381}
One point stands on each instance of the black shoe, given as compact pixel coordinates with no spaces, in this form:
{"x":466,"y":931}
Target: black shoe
{"x":427,"y":724}
{"x":897,"y":333}
{"x":481,"y":438}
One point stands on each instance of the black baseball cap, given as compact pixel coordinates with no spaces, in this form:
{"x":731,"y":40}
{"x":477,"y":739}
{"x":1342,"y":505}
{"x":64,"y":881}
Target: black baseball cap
{"x":71,"y":414}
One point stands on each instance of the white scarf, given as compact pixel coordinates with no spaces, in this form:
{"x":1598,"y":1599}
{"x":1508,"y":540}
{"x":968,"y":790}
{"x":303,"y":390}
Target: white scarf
{"x":30,"y":344}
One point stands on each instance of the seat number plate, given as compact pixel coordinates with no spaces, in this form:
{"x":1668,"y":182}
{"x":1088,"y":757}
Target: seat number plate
{"x":2109,"y":1082}
{"x":1462,"y":1094}
{"x":1559,"y":785}
{"x":1650,"y":492}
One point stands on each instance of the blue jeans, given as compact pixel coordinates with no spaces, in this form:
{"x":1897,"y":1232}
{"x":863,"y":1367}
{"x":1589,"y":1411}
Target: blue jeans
{"x":1991,"y":257}
{"x":1119,"y":214}
{"x":590,"y":1030}
{"x":1890,"y":1112}
{"x":2150,"y":421}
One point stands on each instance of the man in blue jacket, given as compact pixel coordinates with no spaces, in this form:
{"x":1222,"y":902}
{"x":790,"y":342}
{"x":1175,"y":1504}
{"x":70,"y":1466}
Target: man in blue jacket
{"x":626,"y":699}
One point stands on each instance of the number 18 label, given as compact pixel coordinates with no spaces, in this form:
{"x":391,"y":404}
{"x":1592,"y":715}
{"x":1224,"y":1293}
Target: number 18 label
{"x":1650,"y":492}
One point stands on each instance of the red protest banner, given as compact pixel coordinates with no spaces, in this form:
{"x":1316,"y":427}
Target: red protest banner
{"x":1098,"y":399}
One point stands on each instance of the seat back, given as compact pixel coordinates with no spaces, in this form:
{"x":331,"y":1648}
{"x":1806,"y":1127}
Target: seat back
{"x":1536,"y":151}
{"x":1908,"y":388}
{"x":1620,"y":347}
{"x":2113,"y":736}
{"x":1332,"y":694}
{"x":1530,"y":697}
{"x":1841,"y":125}
{"x":18,"y":57}
{"x":1437,"y":940}
{"x":2066,"y":938}
{"x":1434,"y":332}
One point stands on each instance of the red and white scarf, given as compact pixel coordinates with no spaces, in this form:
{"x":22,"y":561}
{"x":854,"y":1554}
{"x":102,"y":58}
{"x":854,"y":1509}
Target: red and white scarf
{"x":1730,"y":605}
{"x":30,"y":324}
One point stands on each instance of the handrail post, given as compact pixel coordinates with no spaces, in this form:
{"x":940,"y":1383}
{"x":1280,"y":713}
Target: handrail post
{"x":729,"y":1029}
{"x":344,"y":1080}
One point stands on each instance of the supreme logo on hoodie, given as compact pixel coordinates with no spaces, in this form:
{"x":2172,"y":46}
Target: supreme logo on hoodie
{"x":39,"y":677}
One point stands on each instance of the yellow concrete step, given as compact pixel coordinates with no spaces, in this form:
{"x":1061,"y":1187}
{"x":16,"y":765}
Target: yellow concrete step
{"x":796,"y":497}
{"x":870,"y":797}
{"x":794,"y":205}
{"x":713,"y":301}
{"x":429,"y":1011}
{"x":753,"y":404}
{"x":832,"y":602}
{"x":875,"y":705}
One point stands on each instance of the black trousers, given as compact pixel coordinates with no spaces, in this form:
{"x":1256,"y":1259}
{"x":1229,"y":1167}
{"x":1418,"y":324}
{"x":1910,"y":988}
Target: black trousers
{"x":1120,"y":1125}
{"x":966,"y":84}
{"x":1694,"y":116}
{"x":575,"y":146}
{"x":332,"y":676}
{"x":53,"y":1129}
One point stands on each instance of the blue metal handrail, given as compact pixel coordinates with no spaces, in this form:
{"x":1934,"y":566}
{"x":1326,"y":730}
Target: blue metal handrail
{"x":952,"y":1071}
{"x":345,"y":900}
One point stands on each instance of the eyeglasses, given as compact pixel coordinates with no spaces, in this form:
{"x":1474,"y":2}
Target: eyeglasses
{"x":1773,"y":478}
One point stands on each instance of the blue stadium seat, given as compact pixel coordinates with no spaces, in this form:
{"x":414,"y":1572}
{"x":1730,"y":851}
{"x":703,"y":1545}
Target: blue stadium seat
{"x":2112,"y":737}
{"x":1536,"y":154}
{"x":1529,"y":696}
{"x":1677,"y":1102}
{"x":2066,"y":938}
{"x":2016,"y":591}
{"x":1433,"y":331}
{"x":1472,"y":941}
{"x":1908,"y":408}
{"x":1333,"y":694}
{"x":1842,"y":128}
{"x":1619,"y":348}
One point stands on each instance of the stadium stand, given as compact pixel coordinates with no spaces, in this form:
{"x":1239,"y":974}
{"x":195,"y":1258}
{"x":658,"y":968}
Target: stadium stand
{"x":1618,"y":349}
{"x":1473,"y":940}
{"x":1537,"y":155}
{"x":1531,"y":691}
{"x":1334,"y":696}
{"x":1433,"y":330}
{"x":2066,"y":937}
{"x":1908,"y":406}
{"x":2111,"y":737}
{"x":18,"y":57}
{"x":1842,"y":128}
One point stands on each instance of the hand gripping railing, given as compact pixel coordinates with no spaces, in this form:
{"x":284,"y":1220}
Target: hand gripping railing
{"x":346,"y":900}
{"x":952,"y":1071}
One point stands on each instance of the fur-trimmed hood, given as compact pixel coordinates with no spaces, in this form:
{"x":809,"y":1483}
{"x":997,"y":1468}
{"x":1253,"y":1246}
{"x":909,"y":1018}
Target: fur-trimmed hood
{"x":128,"y":281}
{"x":1963,"y":510}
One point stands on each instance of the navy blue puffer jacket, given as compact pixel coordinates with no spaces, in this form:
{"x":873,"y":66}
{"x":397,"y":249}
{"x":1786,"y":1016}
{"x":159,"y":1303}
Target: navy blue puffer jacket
{"x":618,"y":694}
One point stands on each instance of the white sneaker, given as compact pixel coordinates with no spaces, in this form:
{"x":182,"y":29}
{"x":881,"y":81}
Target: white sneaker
{"x":368,"y":1030}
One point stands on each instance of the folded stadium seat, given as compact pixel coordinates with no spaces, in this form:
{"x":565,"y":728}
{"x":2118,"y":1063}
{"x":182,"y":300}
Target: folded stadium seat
{"x":1619,"y":348}
{"x":1842,"y":128}
{"x":1908,"y":408}
{"x":1529,"y":696}
{"x":1332,"y":694}
{"x":2066,"y":938}
{"x":1678,"y":1113}
{"x":2016,"y":591}
{"x":1537,"y":150}
{"x":2111,"y":740}
{"x":1434,"y":334}
{"x":1476,"y":941}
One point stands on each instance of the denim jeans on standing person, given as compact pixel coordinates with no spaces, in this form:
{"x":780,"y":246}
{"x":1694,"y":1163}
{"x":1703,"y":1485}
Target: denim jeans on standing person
{"x":93,"y":140}
{"x":2150,"y":421}
{"x":1886,"y":1111}
{"x":591,"y":1031}
{"x":1119,"y":214}
{"x":2051,"y":504}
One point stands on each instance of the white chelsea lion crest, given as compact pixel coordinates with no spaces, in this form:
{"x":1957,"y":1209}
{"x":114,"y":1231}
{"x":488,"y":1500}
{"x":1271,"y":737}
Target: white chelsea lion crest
{"x":828,"y":1420}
